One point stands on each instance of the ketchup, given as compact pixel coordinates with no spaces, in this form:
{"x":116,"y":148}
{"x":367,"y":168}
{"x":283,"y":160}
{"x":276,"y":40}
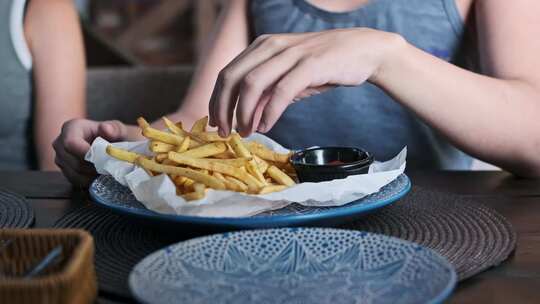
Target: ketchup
{"x":336,"y":162}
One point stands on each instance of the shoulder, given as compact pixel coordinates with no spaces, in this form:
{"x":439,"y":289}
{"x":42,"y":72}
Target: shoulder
{"x":44,"y":7}
{"x":49,"y":12}
{"x":49,"y":17}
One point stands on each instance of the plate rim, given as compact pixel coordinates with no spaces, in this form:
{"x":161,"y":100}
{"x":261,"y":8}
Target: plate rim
{"x":440,"y":298}
{"x":239,"y":221}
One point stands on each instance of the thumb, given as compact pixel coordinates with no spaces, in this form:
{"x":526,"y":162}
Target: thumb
{"x":112,"y":130}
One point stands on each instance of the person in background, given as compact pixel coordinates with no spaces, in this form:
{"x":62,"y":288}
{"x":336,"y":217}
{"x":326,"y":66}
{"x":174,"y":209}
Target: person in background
{"x":42,"y":79}
{"x":406,"y":72}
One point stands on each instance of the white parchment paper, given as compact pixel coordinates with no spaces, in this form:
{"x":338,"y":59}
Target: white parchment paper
{"x":158,"y":193}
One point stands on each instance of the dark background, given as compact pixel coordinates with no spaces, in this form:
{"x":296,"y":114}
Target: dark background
{"x":146,"y":32}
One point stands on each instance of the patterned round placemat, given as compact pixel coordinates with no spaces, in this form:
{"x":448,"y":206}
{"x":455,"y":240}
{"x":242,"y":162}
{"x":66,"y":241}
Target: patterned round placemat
{"x":14,"y":211}
{"x":471,"y":236}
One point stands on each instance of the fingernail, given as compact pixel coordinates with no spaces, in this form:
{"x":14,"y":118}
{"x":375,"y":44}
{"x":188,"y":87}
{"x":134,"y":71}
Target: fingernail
{"x":262,"y":127}
{"x":221,"y":132}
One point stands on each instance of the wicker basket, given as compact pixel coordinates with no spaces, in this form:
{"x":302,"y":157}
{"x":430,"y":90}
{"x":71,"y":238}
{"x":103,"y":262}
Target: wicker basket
{"x":72,"y":280}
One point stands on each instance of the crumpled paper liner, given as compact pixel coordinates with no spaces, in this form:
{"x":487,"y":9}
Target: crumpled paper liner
{"x":158,"y":193}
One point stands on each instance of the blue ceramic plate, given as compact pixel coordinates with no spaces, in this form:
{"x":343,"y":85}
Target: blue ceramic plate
{"x":293,"y":265}
{"x":109,"y":193}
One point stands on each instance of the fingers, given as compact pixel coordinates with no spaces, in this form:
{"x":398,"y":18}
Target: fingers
{"x":71,"y":146}
{"x":77,"y":171}
{"x":293,"y":83}
{"x":219,"y":83}
{"x":112,"y":130}
{"x":75,"y":136}
{"x":313,"y":91}
{"x":76,"y":178}
{"x":65,"y":159}
{"x":222,"y":105}
{"x":225,"y":97}
{"x":257,"y":81}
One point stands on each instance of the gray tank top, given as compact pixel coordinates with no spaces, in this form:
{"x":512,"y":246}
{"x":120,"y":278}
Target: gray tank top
{"x":365,"y":116}
{"x":16,"y":151}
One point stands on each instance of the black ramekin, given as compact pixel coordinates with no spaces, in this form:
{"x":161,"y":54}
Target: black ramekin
{"x":314,"y":164}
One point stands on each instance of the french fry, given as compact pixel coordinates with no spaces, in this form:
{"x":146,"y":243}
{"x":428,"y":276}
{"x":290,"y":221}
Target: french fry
{"x":200,"y":125}
{"x":142,"y":123}
{"x":239,"y":185}
{"x":242,"y":151}
{"x":161,"y":157}
{"x":231,"y":185}
{"x":165,"y":137}
{"x":184,"y":146}
{"x":206,"y":150}
{"x":263,"y":165}
{"x":160,"y":147}
{"x":253,"y":169}
{"x":252,"y":182}
{"x":197,"y":176}
{"x":199,"y":188}
{"x":209,"y":136}
{"x":198,"y":160}
{"x":235,"y":162}
{"x":225,"y":155}
{"x":180,"y":190}
{"x":180,"y":126}
{"x":168,"y":162}
{"x":173,"y":127}
{"x":179,"y":180}
{"x":238,"y":147}
{"x":287,"y":167}
{"x":193,"y":196}
{"x":219,"y":175}
{"x":188,"y":184}
{"x":267,"y":154}
{"x":272,"y":188}
{"x":279,"y":176}
{"x":177,"y":129}
{"x":121,"y":154}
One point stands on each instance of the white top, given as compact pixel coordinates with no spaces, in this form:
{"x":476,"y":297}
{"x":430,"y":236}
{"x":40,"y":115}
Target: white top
{"x":16,"y":24}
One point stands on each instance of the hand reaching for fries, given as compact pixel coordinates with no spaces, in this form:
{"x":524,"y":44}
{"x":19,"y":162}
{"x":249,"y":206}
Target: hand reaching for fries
{"x":198,"y":160}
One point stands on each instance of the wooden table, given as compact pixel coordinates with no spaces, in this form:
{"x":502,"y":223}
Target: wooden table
{"x":515,"y":281}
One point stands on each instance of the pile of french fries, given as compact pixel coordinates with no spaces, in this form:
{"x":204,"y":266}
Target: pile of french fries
{"x":198,"y":160}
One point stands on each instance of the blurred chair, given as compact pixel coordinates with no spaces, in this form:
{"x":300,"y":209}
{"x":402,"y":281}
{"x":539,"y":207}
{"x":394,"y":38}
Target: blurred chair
{"x":100,"y":52}
{"x":127,"y":93}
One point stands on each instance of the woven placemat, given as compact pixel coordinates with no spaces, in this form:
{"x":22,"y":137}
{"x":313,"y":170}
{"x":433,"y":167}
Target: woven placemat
{"x":471,"y":236}
{"x":120,"y":244}
{"x":14,"y":211}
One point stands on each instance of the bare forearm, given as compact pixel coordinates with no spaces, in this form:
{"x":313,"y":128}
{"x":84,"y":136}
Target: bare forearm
{"x":46,"y":127}
{"x":58,"y":71}
{"x":492,"y":119}
{"x":229,"y":38}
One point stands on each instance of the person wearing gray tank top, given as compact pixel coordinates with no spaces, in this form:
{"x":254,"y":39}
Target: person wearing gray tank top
{"x":41,"y":79}
{"x":378,"y":74}
{"x":403,"y":73}
{"x":365,"y":116}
